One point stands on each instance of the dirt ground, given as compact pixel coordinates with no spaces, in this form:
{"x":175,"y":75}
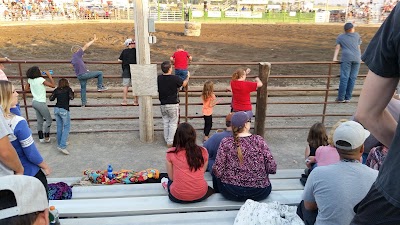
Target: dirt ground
{"x":217,"y":43}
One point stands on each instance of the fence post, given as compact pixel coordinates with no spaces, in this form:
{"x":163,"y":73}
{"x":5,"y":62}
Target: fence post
{"x":328,"y":83}
{"x":262,"y":95}
{"x":23,"y":93}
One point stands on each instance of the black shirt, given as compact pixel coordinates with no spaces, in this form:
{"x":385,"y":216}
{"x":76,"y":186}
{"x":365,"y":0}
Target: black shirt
{"x":382,"y":57}
{"x":168,"y":88}
{"x":63,"y":96}
{"x":128,"y":56}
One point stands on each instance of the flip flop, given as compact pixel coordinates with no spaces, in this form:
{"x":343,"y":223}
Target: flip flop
{"x":124,"y":103}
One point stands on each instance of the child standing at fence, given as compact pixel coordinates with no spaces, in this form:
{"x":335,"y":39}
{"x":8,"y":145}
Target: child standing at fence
{"x":37,"y":85}
{"x":241,"y":89}
{"x":127,"y":57}
{"x":180,"y":59}
{"x":63,"y":93}
{"x":209,"y":101}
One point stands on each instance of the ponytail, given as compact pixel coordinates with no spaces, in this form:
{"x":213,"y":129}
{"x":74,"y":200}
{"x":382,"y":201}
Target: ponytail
{"x":237,"y":144}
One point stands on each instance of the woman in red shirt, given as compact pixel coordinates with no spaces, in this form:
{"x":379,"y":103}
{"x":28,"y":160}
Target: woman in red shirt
{"x":186,"y":164}
{"x":241,"y":90}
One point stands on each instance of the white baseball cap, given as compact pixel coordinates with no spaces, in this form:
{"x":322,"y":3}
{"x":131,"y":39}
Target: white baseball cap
{"x":29,"y":193}
{"x":352,"y":133}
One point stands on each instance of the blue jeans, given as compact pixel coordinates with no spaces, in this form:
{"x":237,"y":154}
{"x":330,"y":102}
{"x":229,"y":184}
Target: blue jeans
{"x":238,"y":193}
{"x":348,"y":76}
{"x":63,"y":126}
{"x":83,"y":80}
{"x":181,"y":73}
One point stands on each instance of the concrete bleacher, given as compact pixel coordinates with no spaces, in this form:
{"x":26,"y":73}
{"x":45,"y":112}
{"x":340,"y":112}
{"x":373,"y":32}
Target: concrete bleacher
{"x":149,"y":203}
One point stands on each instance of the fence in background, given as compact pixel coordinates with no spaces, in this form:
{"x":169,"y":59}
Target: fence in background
{"x":327,"y":83}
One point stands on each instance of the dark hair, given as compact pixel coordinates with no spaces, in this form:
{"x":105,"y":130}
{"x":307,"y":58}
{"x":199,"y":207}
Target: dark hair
{"x":33,"y":72}
{"x":236,"y":142}
{"x":228,"y":123}
{"x":165,"y":66}
{"x":7,"y":201}
{"x":62,"y":83}
{"x":317,"y":136}
{"x":185,"y":139}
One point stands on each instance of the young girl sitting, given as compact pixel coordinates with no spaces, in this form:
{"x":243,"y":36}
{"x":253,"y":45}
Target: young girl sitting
{"x":63,"y":93}
{"x":37,"y":85}
{"x":316,"y":137}
{"x":186,"y":164}
{"x":21,"y":138}
{"x":209,"y":101}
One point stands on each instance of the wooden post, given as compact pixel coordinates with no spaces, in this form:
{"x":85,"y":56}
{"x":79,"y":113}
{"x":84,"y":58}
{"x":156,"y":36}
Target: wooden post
{"x":146,"y":122}
{"x":262,"y":96}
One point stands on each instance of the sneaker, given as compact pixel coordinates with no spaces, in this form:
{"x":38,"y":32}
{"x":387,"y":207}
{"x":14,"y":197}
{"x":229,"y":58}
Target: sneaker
{"x":340,"y":101}
{"x":102,"y":89}
{"x":41,"y":140}
{"x":47,"y":139}
{"x":164,"y":183}
{"x":83,"y":105}
{"x":346,"y":101}
{"x":63,"y":150}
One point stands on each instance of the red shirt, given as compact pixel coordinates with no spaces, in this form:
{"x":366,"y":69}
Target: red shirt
{"x":188,"y":185}
{"x":241,"y":94}
{"x":181,"y":60}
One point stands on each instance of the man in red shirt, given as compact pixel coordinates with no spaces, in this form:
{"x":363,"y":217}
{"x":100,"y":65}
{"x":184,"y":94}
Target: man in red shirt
{"x":180,"y":59}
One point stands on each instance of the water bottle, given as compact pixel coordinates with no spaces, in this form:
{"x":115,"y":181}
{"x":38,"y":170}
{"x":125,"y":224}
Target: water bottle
{"x":51,"y":72}
{"x":54,"y":216}
{"x":110,"y":174}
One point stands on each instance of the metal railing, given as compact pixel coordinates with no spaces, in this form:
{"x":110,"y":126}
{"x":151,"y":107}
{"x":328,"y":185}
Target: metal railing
{"x":327,"y":83}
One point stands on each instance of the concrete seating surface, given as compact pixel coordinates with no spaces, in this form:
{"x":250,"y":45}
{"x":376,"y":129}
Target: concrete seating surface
{"x":149,"y":203}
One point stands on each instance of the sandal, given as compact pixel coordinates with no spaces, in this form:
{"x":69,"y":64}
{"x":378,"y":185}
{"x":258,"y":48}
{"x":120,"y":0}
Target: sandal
{"x":135,"y":103}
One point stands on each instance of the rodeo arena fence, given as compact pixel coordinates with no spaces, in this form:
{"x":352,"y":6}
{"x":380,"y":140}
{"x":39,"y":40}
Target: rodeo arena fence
{"x":286,"y":101}
{"x":368,"y":12}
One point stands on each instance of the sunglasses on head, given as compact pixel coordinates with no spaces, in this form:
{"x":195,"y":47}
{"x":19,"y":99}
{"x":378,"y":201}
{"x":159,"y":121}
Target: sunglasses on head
{"x":132,"y":43}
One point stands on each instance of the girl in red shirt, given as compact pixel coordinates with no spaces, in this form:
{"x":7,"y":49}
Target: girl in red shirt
{"x":186,"y":164}
{"x":241,"y":90}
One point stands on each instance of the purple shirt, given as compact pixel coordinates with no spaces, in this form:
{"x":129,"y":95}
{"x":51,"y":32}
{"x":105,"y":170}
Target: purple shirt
{"x":257,"y":162}
{"x":77,"y":62}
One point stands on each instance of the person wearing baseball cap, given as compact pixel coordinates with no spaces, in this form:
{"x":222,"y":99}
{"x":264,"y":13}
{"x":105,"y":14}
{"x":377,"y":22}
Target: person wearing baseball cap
{"x":22,"y":199}
{"x":127,"y":57}
{"x":350,"y":42}
{"x":213,"y":142}
{"x":243,"y":163}
{"x":332,"y":191}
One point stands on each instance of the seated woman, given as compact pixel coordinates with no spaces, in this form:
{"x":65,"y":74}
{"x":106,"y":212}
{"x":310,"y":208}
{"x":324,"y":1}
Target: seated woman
{"x":376,"y":157}
{"x":186,"y":164}
{"x":21,"y":138}
{"x":243,"y":162}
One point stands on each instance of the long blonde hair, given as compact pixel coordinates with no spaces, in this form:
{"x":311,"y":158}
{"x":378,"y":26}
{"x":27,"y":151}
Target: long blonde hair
{"x":236,"y":142}
{"x":208,"y":90}
{"x":330,"y":136}
{"x":5,"y":95}
{"x":239,"y":73}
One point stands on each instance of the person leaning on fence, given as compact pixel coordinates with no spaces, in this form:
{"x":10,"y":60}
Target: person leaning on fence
{"x":186,"y":165}
{"x":213,"y":142}
{"x":127,"y":57}
{"x":37,"y":85}
{"x":63,"y":93}
{"x":21,"y":136}
{"x":382,"y":56}
{"x":350,"y":42}
{"x":241,"y":89}
{"x":168,"y":86}
{"x":23,"y":201}
{"x":82,"y":73}
{"x":243,"y":163}
{"x":332,"y":191}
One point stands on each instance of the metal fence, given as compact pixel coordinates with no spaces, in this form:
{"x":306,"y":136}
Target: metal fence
{"x":294,"y":96}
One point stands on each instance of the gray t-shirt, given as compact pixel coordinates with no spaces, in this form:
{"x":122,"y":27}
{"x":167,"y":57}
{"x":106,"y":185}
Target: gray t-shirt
{"x":336,"y":189}
{"x":5,"y":130}
{"x":349,"y":42}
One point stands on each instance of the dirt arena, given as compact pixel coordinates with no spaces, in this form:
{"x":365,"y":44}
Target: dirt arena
{"x":218,"y":42}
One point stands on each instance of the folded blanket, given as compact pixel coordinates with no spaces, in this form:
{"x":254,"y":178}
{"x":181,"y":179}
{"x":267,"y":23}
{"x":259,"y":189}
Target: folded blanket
{"x":122,"y":176}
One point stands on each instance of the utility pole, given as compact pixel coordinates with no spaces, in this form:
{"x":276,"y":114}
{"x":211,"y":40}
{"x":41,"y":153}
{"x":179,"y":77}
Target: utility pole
{"x":141,"y":16}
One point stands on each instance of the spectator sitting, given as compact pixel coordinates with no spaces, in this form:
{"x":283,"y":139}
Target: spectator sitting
{"x":213,"y":142}
{"x":376,"y":157}
{"x":243,"y":163}
{"x":23,"y":201}
{"x":186,"y":164}
{"x":316,"y":137}
{"x":331,"y":192}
